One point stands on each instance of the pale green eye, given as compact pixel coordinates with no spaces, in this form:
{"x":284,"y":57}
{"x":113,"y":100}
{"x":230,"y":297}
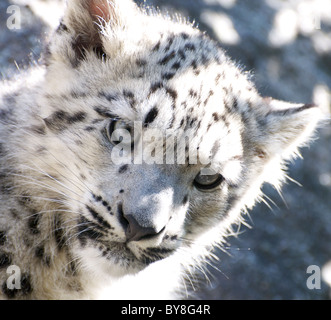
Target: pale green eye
{"x":208,"y":182}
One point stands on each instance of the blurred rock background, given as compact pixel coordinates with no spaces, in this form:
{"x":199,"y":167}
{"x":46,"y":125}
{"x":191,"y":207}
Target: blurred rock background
{"x":287,"y":46}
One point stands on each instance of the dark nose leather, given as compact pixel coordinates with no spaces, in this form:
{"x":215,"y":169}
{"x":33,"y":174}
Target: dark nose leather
{"x":135,"y":231}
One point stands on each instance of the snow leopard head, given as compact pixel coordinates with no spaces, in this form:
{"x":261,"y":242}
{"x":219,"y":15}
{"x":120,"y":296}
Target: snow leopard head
{"x":154,"y":141}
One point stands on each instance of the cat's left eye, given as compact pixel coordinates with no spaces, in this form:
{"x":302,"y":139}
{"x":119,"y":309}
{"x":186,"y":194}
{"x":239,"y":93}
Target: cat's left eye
{"x":207,"y":181}
{"x":119,"y":132}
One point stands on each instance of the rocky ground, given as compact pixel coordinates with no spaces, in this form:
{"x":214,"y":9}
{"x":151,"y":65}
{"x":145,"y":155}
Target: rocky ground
{"x":287,"y":45}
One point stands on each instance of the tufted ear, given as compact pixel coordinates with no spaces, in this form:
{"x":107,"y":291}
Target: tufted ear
{"x":83,"y":25}
{"x":285,"y":126}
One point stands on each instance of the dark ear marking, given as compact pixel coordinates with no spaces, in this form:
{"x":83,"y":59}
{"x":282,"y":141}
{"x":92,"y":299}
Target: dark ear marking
{"x":290,"y":111}
{"x":81,"y":45}
{"x":99,"y":52}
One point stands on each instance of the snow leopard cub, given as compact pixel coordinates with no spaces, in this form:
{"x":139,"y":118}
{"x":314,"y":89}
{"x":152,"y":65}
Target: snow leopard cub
{"x":129,"y":154}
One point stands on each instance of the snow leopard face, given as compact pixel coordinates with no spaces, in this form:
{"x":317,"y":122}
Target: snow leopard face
{"x":149,"y":141}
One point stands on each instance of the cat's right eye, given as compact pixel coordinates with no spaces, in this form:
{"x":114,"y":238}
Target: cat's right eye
{"x":208,"y":182}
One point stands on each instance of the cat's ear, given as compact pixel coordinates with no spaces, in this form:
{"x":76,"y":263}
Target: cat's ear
{"x":83,"y":25}
{"x":85,"y":15}
{"x":284,"y":127}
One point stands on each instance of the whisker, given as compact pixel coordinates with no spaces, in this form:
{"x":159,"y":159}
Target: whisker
{"x":55,"y":158}
{"x":52,"y":178}
{"x":63,"y":202}
{"x":49,"y":211}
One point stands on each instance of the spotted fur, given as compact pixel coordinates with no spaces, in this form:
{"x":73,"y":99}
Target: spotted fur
{"x":73,"y":220}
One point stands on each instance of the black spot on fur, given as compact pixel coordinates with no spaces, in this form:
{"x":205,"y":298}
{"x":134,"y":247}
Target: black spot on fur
{"x":78,"y":94}
{"x":110,"y":97}
{"x":168,"y":57}
{"x":58,"y":232}
{"x":104,"y":112}
{"x":193,"y":93}
{"x":123,"y":169}
{"x":141,"y":62}
{"x":216,"y":116}
{"x":76,"y":117}
{"x":40,"y":254}
{"x":157,"y":46}
{"x":190,"y":47}
{"x":235,"y":104}
{"x":182,"y":54}
{"x":33,"y":223}
{"x":154,"y":87}
{"x":40,"y":130}
{"x":97,"y":198}
{"x":56,"y":121}
{"x":217,"y":78}
{"x":185,"y":199}
{"x":128,"y":94}
{"x":176,"y":66}
{"x":88,"y":230}
{"x":72,"y":268}
{"x":173,"y":94}
{"x":3,"y":238}
{"x":192,"y":122}
{"x":194,"y":65}
{"x":168,"y":75}
{"x":171,"y":39}
{"x":121,"y":191}
{"x":89,"y":128}
{"x":150,"y":117}
{"x":9,"y":293}
{"x":5,"y":260}
{"x":98,"y":218}
{"x":26,"y":287}
{"x":211,"y":92}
